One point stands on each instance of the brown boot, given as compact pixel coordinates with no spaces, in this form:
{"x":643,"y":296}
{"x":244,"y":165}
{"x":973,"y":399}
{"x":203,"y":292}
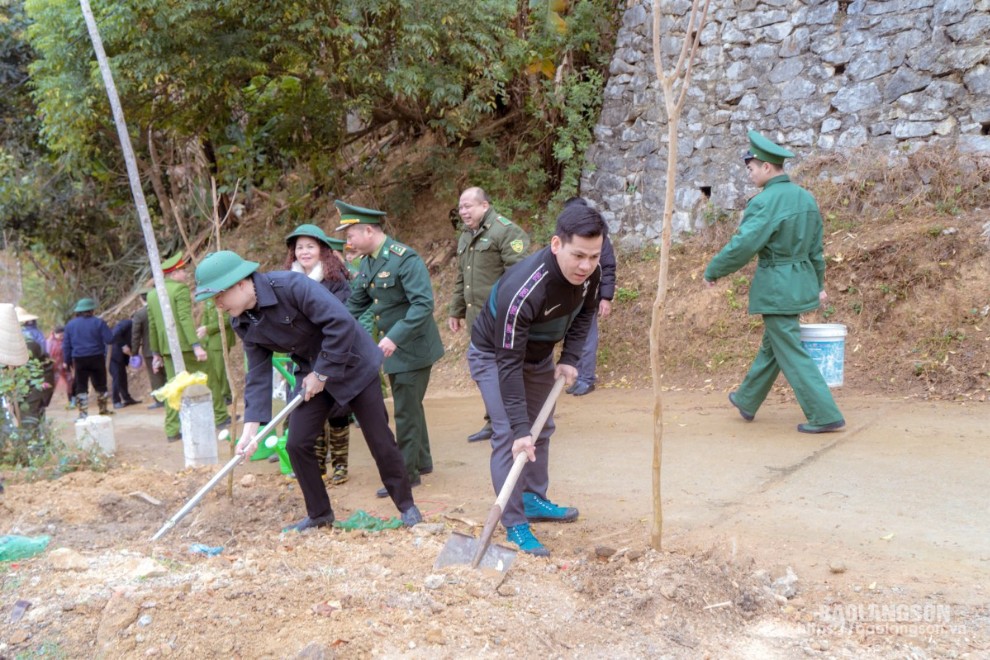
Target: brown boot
{"x":82,"y":405}
{"x":102,"y":402}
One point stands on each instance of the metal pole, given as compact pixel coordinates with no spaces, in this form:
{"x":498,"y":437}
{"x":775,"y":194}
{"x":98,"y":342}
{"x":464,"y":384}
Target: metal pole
{"x":225,"y":470}
{"x":135,"y":180}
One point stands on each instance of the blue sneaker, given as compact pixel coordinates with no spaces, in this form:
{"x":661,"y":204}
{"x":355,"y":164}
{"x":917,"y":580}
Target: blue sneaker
{"x":523,"y":537}
{"x":538,"y":509}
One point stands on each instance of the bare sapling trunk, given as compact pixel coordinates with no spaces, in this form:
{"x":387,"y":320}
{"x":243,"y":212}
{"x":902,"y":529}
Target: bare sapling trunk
{"x":674,"y":86}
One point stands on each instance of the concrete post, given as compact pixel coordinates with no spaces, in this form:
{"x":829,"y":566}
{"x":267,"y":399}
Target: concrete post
{"x":199,"y":435}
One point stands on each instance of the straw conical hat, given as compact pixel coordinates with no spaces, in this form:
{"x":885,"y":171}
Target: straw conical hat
{"x":13,"y":350}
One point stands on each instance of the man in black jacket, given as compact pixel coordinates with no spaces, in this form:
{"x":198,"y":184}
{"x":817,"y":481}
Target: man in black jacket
{"x":337,"y":366}
{"x":585,"y":382}
{"x":550,"y":296}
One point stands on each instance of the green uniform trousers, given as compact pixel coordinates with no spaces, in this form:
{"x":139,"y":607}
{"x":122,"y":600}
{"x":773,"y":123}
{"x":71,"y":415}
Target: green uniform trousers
{"x":217,"y":374}
{"x":408,"y":390}
{"x":781,"y":350}
{"x":172,"y":427}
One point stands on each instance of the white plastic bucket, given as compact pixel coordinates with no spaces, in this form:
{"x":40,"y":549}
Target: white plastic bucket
{"x":96,"y":431}
{"x":826,"y":344}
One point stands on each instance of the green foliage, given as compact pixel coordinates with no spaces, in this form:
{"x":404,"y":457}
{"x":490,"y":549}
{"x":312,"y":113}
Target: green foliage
{"x":624,"y":295}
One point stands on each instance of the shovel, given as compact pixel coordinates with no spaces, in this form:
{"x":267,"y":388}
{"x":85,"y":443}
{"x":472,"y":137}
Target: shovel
{"x":226,"y":469}
{"x":464,"y":549}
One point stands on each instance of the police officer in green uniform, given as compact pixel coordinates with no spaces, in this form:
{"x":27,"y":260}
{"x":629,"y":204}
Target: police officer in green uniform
{"x":489,"y":244}
{"x":782,"y":226}
{"x":193,"y":354}
{"x":393,"y":282}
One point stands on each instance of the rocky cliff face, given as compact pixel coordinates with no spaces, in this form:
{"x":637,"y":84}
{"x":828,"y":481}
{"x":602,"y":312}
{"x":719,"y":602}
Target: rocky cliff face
{"x":812,"y":75}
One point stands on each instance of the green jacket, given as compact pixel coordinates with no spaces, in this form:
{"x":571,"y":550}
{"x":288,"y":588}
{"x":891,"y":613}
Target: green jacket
{"x":212,"y":323}
{"x":482,"y":257}
{"x":783,"y":227}
{"x":181,"y":301}
{"x":396,"y":287}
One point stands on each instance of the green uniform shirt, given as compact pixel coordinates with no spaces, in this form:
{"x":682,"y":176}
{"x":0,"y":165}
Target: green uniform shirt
{"x":212,"y":323}
{"x":181,"y":301}
{"x":396,"y":287}
{"x":782,"y":225}
{"x":482,"y":257}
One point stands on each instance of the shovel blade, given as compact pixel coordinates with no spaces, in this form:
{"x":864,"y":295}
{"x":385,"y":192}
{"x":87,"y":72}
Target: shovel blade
{"x":460,"y":549}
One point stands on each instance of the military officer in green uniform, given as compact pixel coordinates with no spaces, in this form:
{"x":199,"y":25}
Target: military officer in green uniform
{"x":193,"y":353}
{"x":393,"y":282}
{"x":489,"y":244}
{"x":782,"y":227}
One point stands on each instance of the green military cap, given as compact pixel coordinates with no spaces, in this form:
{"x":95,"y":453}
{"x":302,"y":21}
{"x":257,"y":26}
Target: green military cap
{"x":357,"y":215}
{"x":85,"y":305}
{"x":766,"y":150}
{"x":175,"y":262}
{"x":219,"y":271}
{"x":312,"y":231}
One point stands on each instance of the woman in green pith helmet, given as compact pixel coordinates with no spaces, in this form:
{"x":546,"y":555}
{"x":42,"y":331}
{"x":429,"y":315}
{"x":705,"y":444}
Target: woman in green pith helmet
{"x":319,"y":257}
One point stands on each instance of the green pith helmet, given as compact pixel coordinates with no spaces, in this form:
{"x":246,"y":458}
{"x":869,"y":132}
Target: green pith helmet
{"x":85,"y":305}
{"x":311,"y":231}
{"x":766,"y":150}
{"x":175,"y":262}
{"x":357,"y":215}
{"x":219,"y":271}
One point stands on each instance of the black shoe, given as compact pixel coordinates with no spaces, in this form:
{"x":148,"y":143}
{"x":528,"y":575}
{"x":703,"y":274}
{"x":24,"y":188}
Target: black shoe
{"x":485,"y":433}
{"x":411,"y":516}
{"x":225,"y":424}
{"x":383,"y":492}
{"x":745,"y":415}
{"x":155,"y":405}
{"x":132,"y":402}
{"x":118,"y":406}
{"x":824,"y":428}
{"x":227,"y":401}
{"x":581,"y":389}
{"x":174,"y":438}
{"x":570,"y":390}
{"x":309,"y":523}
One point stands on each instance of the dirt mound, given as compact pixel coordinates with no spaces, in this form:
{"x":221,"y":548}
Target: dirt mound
{"x":109,"y":592}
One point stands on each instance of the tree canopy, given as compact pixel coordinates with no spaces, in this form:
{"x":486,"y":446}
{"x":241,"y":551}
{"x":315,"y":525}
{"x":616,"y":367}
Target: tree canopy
{"x":247,"y":93}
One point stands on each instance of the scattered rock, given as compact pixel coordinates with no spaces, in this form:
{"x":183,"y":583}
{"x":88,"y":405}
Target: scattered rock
{"x":119,"y":613}
{"x":837,"y":566}
{"x":433,"y":581}
{"x":435,"y":636}
{"x":248,"y":480}
{"x":19,"y":637}
{"x":144,"y":620}
{"x":428,"y":529}
{"x":147,"y":567}
{"x":668,"y":590}
{"x":786,"y":585}
{"x":634,"y":555}
{"x":67,"y":559}
{"x":314,"y":651}
{"x":147,"y":498}
{"x":604,"y":552}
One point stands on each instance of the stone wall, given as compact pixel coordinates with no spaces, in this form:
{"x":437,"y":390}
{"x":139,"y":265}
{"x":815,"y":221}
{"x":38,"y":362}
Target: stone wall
{"x":811,"y":75}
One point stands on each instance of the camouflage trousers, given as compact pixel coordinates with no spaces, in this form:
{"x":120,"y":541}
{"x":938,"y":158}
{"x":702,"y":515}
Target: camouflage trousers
{"x":335,"y":441}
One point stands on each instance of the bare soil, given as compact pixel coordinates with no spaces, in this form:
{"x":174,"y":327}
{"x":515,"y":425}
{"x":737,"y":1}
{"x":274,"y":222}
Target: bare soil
{"x":859,"y":544}
{"x":874,"y":525}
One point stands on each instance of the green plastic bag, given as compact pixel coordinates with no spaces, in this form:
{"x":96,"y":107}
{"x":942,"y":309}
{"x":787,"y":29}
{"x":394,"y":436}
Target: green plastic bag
{"x":21,"y":547}
{"x":363,"y":521}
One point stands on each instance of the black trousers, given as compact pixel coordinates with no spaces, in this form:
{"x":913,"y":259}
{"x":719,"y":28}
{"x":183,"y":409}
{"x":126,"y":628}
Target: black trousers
{"x":118,"y":374}
{"x":90,"y":369}
{"x":306,"y":425}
